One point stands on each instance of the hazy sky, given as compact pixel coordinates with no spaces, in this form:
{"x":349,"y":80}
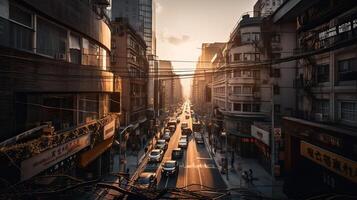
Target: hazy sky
{"x":183,"y":25}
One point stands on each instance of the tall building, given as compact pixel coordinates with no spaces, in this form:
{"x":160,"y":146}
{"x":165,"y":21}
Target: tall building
{"x":59,"y":102}
{"x":141,"y":16}
{"x":167,"y":81}
{"x":134,"y":72}
{"x":203,"y":78}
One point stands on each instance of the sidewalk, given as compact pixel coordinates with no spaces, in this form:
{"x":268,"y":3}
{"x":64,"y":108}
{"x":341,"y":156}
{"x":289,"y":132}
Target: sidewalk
{"x":262,"y":181}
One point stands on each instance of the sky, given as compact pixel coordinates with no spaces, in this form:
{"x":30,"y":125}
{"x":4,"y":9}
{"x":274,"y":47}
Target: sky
{"x":183,"y":25}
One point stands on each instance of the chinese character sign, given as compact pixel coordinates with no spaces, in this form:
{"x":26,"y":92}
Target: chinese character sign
{"x":334,"y":162}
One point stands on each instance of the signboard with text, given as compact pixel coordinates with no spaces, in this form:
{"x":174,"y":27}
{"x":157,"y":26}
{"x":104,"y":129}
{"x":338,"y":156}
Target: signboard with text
{"x":46,"y":159}
{"x":334,"y":162}
{"x":109,"y":130}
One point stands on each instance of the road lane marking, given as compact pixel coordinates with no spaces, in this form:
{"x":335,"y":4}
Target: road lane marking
{"x":199,"y":175}
{"x":199,"y":158}
{"x":167,"y":181}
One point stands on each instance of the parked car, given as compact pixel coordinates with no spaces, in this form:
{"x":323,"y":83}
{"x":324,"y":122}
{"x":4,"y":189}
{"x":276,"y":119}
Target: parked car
{"x":177,"y":153}
{"x":166,"y":136}
{"x":182,"y":143}
{"x":161,"y":144}
{"x":146,"y":180}
{"x":156,"y":155}
{"x":178,"y":120}
{"x":198,"y":138}
{"x":170,"y":167}
{"x":187,"y":117}
{"x":184,"y":136}
{"x":186,"y":131}
{"x":171,"y":122}
{"x":184,"y":125}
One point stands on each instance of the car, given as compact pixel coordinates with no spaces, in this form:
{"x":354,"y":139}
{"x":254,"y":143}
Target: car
{"x":184,"y":136}
{"x":151,"y":167}
{"x":186,"y":131}
{"x":177,"y":153}
{"x":187,"y":117}
{"x":161,"y":144}
{"x":182,"y":143}
{"x":198,"y":138}
{"x":170,"y":167}
{"x":146,"y":180}
{"x":172,"y":128}
{"x":184,"y":125}
{"x":156,"y":155}
{"x":172,"y":122}
{"x":166,"y":136}
{"x":178,"y":120}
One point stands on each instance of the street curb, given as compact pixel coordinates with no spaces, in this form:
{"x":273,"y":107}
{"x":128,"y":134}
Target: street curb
{"x":209,"y":149}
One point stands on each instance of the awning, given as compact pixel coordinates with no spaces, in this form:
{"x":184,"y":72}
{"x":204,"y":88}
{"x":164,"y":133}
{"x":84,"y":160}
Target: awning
{"x":238,"y":134}
{"x":88,"y":156}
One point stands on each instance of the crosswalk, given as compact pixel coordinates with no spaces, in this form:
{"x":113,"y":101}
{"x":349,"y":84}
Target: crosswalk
{"x":207,"y":166}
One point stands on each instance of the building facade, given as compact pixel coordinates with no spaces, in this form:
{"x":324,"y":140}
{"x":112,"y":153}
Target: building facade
{"x":141,"y":15}
{"x":129,"y":61}
{"x":57,"y":108}
{"x":321,"y":137}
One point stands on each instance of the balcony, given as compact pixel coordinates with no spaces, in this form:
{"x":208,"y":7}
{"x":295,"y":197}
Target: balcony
{"x":245,"y":97}
{"x":243,"y":80}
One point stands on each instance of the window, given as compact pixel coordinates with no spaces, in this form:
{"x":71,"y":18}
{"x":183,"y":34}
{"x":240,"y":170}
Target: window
{"x":344,"y":27}
{"x":74,"y":49}
{"x":247,"y":57}
{"x":349,"y":111}
{"x":277,"y":73}
{"x":19,"y":36}
{"x":247,"y":108}
{"x":255,"y":36}
{"x":20,"y":15}
{"x":257,"y":57}
{"x":277,"y":108}
{"x":322,"y":73}
{"x":237,"y":89}
{"x":237,"y":107}
{"x":347,"y":69}
{"x":322,"y":106}
{"x":237,"y":56}
{"x":237,"y":73}
{"x":51,"y":39}
{"x":256,"y":107}
{"x":276,"y":90}
{"x":247,"y":90}
{"x":275,"y":38}
{"x":273,"y":3}
{"x":246,"y":37}
{"x":256,"y":74}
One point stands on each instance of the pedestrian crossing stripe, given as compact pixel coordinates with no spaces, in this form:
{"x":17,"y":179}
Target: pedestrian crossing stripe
{"x":207,"y":166}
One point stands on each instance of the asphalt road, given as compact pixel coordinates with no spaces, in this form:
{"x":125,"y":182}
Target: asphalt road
{"x":197,"y":168}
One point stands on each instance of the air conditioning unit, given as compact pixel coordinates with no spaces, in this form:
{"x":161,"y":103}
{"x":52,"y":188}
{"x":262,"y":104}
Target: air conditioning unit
{"x":321,"y":117}
{"x":60,"y":56}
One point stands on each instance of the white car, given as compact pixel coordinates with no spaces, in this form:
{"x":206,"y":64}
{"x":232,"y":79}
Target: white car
{"x":156,"y":155}
{"x":161,"y":144}
{"x":184,"y":125}
{"x":183,"y":143}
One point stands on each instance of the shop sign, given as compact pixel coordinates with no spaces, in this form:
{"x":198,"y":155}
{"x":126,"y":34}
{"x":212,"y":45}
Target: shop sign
{"x":46,"y":159}
{"x":277,"y":133}
{"x":109,"y":130}
{"x":260,"y":134}
{"x":334,"y":162}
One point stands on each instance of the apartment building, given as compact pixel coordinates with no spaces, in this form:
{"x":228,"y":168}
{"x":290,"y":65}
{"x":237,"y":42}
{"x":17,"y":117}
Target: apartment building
{"x":57,"y":108}
{"x":320,"y":139}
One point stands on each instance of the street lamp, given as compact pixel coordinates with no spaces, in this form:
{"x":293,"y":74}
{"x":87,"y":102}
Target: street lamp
{"x":120,"y":141}
{"x":226,"y":162}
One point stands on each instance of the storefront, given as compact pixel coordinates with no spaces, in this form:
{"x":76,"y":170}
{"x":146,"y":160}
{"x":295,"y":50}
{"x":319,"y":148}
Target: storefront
{"x":262,"y":146}
{"x":319,"y":159}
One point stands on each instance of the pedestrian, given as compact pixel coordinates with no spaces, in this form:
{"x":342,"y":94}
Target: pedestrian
{"x":250,"y":175}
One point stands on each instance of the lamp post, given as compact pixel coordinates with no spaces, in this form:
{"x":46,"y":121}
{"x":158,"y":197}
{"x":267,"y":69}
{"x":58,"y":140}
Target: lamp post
{"x":120,"y":140}
{"x":226,"y":159}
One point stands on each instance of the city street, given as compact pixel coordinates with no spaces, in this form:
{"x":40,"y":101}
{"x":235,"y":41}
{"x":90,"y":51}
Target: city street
{"x":197,"y":168}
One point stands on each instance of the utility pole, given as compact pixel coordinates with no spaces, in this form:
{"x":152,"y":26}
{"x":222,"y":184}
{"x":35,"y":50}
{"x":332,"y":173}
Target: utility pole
{"x":272,"y":132}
